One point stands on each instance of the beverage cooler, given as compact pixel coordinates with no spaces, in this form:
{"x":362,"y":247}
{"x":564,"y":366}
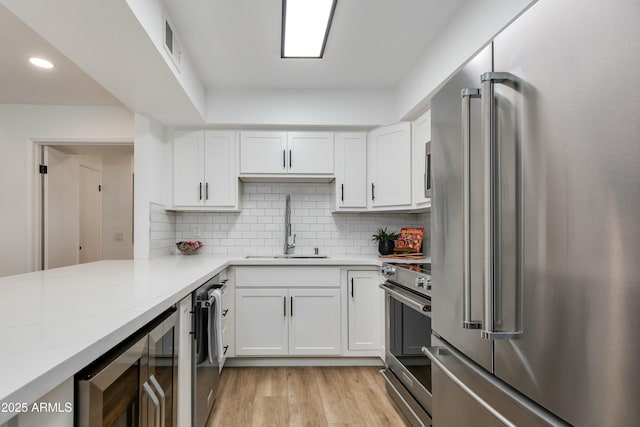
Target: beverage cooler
{"x":135,"y":384}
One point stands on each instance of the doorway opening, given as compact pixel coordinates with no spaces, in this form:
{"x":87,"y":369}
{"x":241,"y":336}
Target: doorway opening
{"x":86,"y":200}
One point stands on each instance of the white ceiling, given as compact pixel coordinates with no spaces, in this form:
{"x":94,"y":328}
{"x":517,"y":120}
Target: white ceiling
{"x":372,"y":43}
{"x":380,"y":50}
{"x":23,"y":83}
{"x":236,"y":44}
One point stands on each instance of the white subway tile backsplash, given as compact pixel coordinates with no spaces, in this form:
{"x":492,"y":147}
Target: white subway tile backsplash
{"x":162,"y":231}
{"x":259,"y":228}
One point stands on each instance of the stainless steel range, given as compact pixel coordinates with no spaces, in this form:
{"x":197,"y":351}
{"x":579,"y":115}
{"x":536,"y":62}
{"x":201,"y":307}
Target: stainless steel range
{"x":407,"y":330}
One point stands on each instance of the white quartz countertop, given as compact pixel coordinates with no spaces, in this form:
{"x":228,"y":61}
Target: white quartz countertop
{"x":54,"y":323}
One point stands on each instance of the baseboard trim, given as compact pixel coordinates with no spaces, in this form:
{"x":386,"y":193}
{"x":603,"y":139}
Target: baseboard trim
{"x":302,"y":361}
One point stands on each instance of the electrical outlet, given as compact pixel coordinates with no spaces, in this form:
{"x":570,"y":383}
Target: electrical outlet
{"x":195,"y":230}
{"x":118,"y":237}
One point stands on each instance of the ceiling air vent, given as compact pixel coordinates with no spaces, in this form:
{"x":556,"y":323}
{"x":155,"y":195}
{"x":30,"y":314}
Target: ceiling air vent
{"x":171,"y":42}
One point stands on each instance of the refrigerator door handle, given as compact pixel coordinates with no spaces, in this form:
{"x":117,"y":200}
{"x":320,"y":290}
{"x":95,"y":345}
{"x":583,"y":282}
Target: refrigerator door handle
{"x":432,"y":354}
{"x":466,"y":95}
{"x":488,"y":80}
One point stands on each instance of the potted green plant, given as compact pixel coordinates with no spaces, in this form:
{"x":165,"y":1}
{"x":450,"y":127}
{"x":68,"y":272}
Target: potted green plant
{"x":386,"y":240}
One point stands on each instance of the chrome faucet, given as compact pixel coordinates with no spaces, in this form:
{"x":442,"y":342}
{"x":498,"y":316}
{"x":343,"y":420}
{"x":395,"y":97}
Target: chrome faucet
{"x":288,"y":247}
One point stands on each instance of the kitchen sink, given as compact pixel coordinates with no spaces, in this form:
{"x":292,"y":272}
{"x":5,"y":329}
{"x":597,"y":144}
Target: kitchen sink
{"x":287,"y":256}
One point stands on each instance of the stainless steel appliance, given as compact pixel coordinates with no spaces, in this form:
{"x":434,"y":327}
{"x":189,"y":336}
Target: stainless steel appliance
{"x":135,"y":384}
{"x":535,"y":231}
{"x":206,"y":373}
{"x":407,"y":330}
{"x":427,"y":170}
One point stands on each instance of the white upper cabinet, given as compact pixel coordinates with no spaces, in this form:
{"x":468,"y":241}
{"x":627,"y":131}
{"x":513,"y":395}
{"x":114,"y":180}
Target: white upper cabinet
{"x":310,"y":153}
{"x":263,"y":152}
{"x":422,"y":161}
{"x":389,"y":166}
{"x":188,"y":168}
{"x":205,"y":173}
{"x":350,"y":189}
{"x":286,"y":153}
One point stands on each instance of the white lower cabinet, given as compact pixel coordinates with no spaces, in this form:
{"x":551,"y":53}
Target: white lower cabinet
{"x":261,"y":322}
{"x":314,"y":322}
{"x":364,"y":310}
{"x":279,"y":322}
{"x":287,"y":311}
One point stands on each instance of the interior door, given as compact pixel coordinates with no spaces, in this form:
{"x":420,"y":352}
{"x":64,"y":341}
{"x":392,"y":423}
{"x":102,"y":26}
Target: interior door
{"x":61,"y":232}
{"x":90,"y":215}
{"x":447,"y":212}
{"x":580,"y":207}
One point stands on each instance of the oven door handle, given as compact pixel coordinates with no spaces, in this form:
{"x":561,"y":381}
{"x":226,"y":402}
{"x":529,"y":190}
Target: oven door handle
{"x":421,"y":308}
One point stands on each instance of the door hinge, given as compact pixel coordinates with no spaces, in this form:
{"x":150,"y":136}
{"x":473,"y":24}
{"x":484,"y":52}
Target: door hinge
{"x":99,"y":188}
{"x":43,"y":169}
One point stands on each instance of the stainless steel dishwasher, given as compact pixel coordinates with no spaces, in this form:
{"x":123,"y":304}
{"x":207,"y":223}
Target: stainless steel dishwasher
{"x":205,"y":351}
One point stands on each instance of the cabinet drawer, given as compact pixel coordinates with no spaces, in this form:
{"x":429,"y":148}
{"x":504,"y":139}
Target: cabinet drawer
{"x":290,"y":276}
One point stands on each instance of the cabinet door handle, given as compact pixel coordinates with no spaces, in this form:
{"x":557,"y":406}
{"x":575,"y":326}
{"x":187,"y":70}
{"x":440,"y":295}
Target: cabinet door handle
{"x":226,"y":347}
{"x":342,"y":193}
{"x":284,"y":159}
{"x":290,"y":162}
{"x":200,"y":191}
{"x":291,"y":307}
{"x":373,"y":191}
{"x":352,"y":287}
{"x":206,"y":191}
{"x":163,"y":399}
{"x":224,"y":312}
{"x":284,"y":306}
{"x":155,"y":401}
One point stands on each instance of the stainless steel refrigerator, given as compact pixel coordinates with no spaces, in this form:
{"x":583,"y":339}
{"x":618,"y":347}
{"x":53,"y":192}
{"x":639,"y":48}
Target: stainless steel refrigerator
{"x":536,"y":223}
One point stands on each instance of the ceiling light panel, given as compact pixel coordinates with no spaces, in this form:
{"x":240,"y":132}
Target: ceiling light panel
{"x":40,"y":62}
{"x":305,"y":27}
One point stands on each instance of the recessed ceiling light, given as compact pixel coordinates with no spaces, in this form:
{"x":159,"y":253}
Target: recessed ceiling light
{"x":305,"y":27}
{"x":39,"y":62}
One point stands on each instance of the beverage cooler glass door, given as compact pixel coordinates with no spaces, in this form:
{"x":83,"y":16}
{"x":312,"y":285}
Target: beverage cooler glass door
{"x":111,"y":394}
{"x":163,"y":373}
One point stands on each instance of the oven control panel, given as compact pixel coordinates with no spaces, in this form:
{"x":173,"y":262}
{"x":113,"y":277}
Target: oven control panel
{"x":412,"y":276}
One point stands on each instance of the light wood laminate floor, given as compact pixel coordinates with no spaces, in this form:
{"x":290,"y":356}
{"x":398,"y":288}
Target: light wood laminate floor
{"x":309,"y":396}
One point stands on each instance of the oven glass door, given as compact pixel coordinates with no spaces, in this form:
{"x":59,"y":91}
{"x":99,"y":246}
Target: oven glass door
{"x":408,"y":330}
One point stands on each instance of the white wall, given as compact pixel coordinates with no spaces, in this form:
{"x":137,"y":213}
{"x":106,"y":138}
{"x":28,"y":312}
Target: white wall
{"x":20,"y":126}
{"x":336,"y":107}
{"x":472,"y":27}
{"x":152,"y":165}
{"x":150,"y":14}
{"x":117,"y":206}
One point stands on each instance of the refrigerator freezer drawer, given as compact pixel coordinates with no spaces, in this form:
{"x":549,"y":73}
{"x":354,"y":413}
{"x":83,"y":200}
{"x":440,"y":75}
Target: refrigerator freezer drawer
{"x":464,"y":394}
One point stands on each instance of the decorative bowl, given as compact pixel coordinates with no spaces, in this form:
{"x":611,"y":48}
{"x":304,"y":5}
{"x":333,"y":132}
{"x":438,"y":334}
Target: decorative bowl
{"x":189,"y":247}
